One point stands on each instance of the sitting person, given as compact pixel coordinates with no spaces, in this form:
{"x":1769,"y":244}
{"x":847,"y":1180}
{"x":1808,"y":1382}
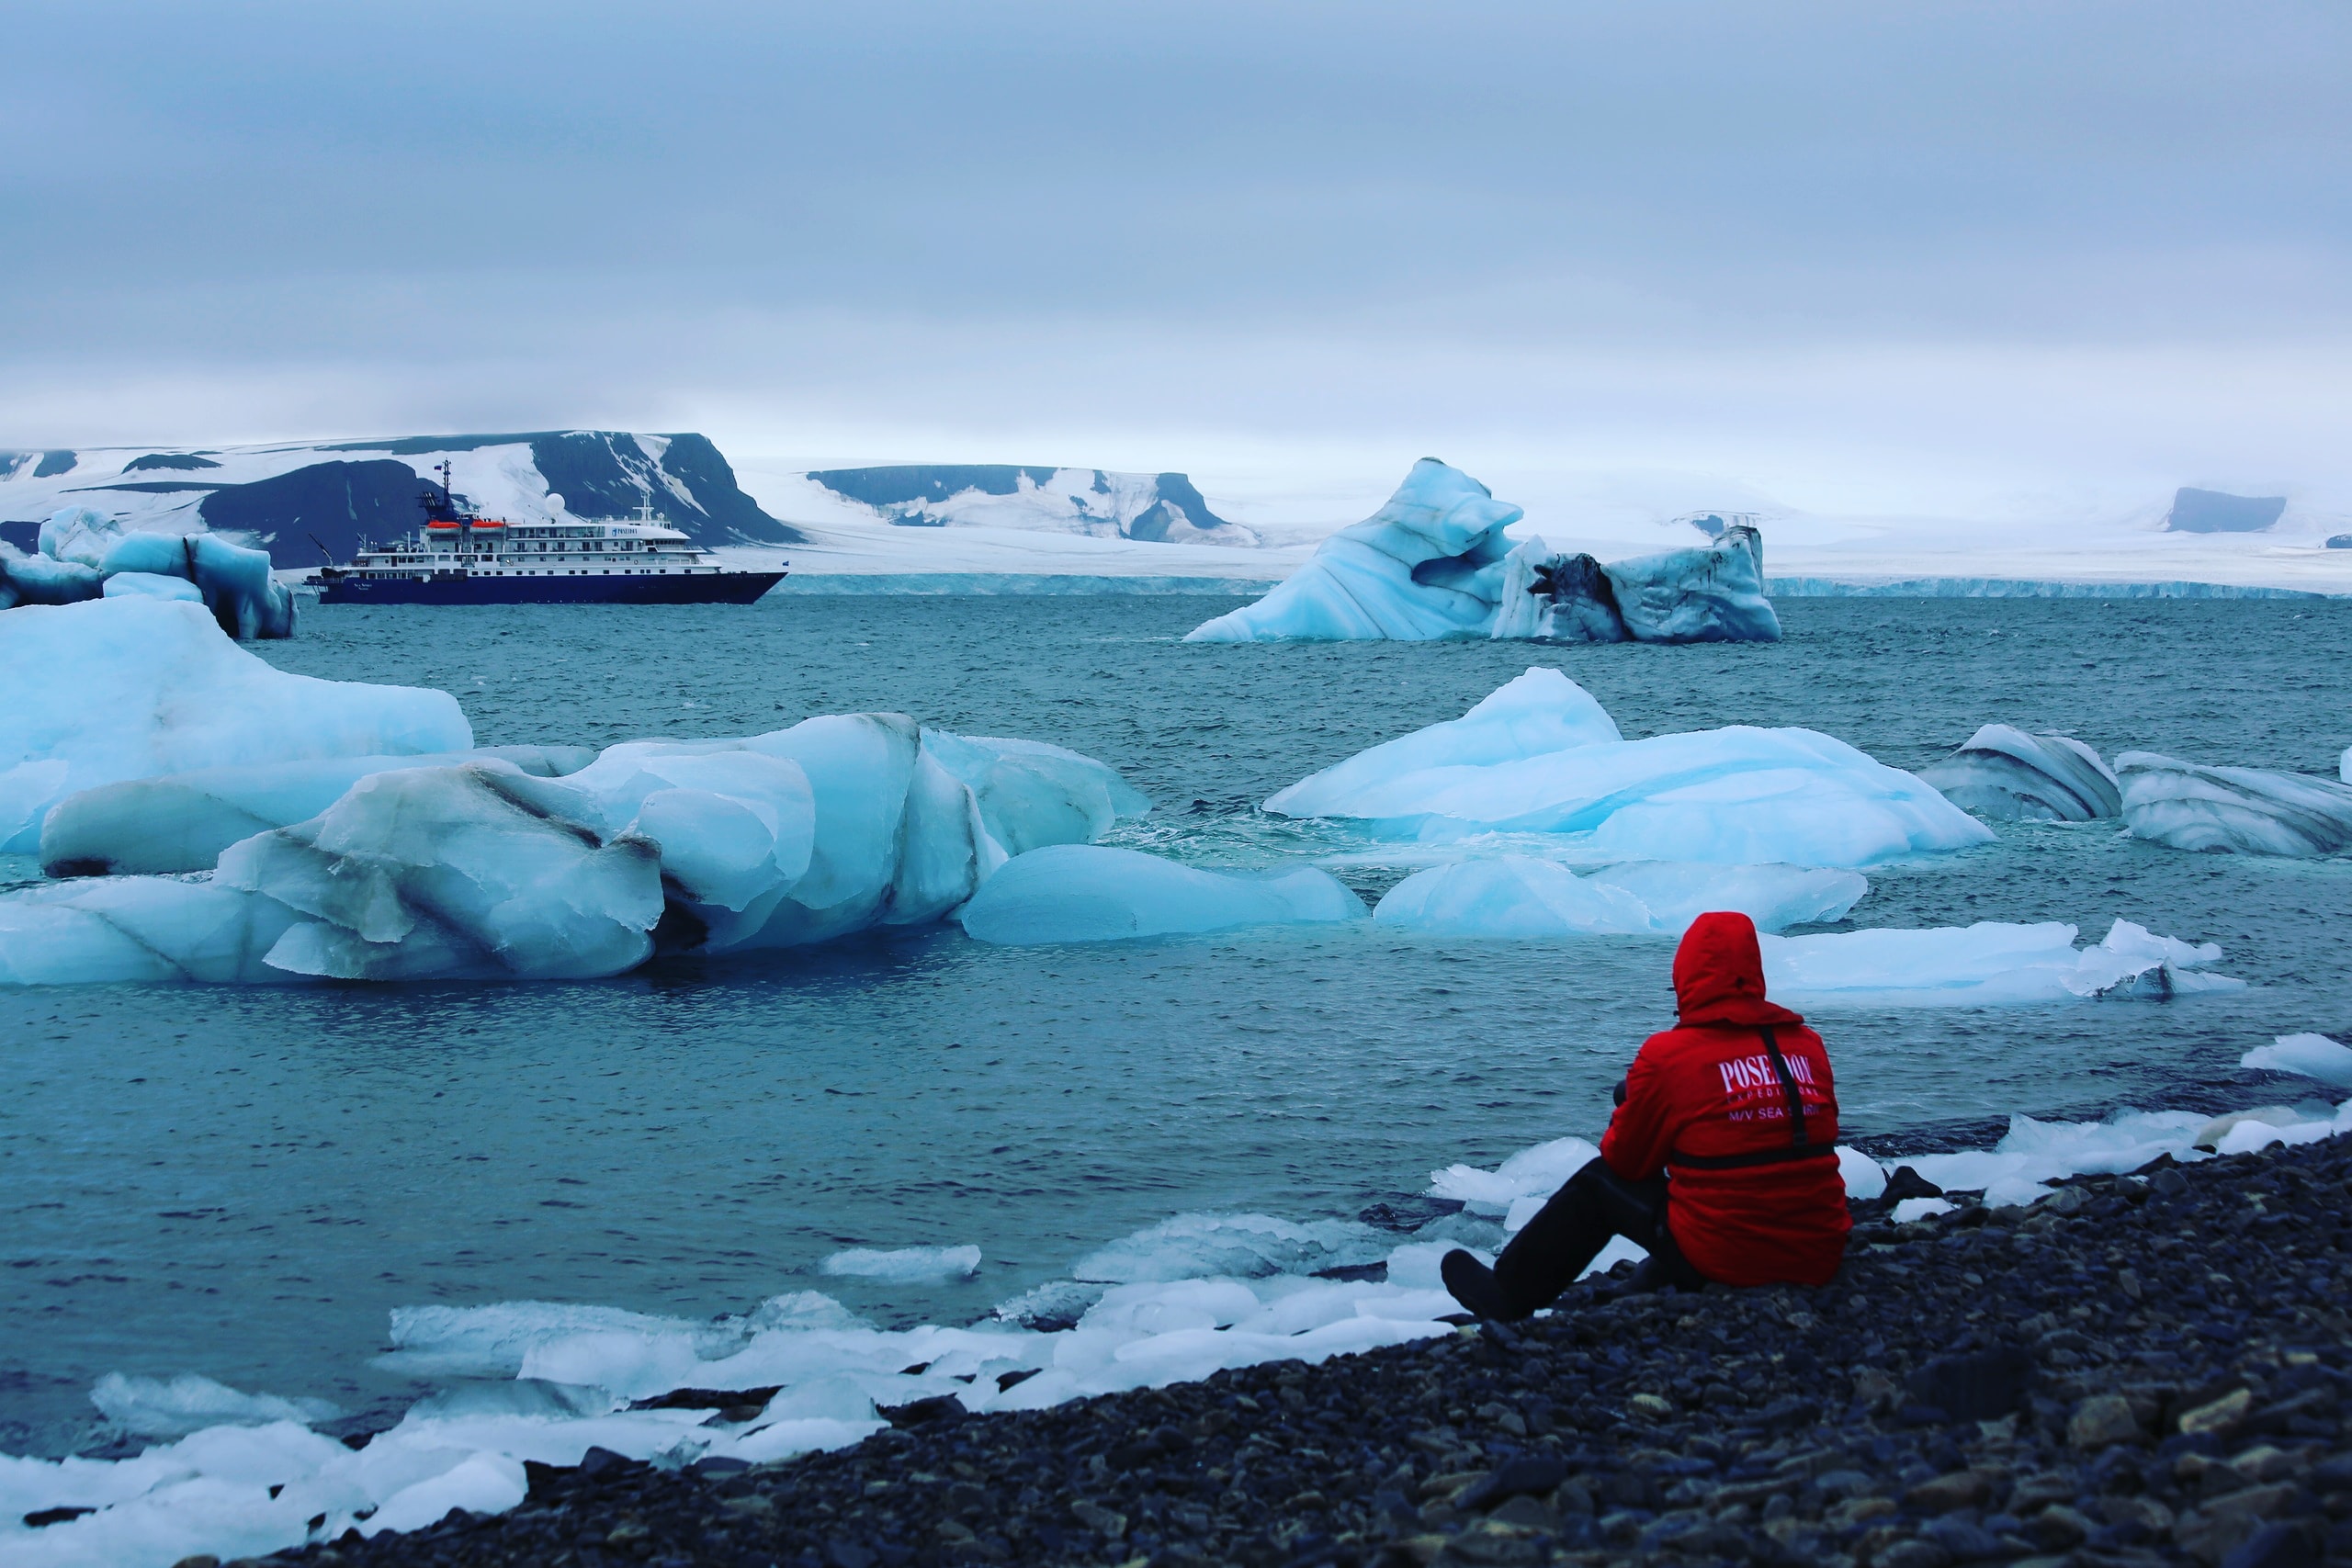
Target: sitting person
{"x":1737,"y":1107}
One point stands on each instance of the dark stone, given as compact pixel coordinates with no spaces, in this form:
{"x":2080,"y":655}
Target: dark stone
{"x":705,"y":1398}
{"x":40,"y":1518}
{"x":1527,"y":1475}
{"x":599,"y":1461}
{"x":1908,"y":1183}
{"x":943,"y":1408}
{"x":1982,"y":1386}
{"x":2276,"y":1546}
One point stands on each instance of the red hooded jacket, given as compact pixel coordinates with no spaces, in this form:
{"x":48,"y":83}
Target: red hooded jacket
{"x":1705,"y":1104}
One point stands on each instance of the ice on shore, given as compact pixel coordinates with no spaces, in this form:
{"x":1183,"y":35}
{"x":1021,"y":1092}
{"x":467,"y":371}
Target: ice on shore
{"x":156,"y":1407}
{"x":904,"y":1263}
{"x":1991,"y":963}
{"x":2312,"y":1056}
{"x":1434,"y":563}
{"x":146,"y":687}
{"x":1534,"y":757}
{"x":1088,"y":893}
{"x":2003,"y":774}
{"x":1173,"y":1302}
{"x":2237,"y":810}
{"x":182,"y":821}
{"x":1516,"y":896}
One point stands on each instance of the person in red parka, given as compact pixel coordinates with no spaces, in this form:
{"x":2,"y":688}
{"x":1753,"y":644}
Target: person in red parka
{"x":1721,"y":1159}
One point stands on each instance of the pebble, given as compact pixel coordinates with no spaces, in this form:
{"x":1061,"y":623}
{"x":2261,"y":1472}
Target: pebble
{"x":2049,"y":1415}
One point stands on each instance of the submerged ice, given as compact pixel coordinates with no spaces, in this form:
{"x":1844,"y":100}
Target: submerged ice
{"x":1434,"y":562}
{"x":1089,"y":893}
{"x":1538,"y":755}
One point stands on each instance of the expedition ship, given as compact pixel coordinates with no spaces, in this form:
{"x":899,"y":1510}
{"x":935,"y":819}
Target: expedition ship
{"x":461,"y":557}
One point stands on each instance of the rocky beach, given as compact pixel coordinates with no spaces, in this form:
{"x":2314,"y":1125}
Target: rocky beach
{"x":2139,"y":1369}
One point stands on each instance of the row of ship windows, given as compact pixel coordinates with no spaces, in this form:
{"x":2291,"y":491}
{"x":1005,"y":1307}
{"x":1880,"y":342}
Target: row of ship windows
{"x":572,"y":571}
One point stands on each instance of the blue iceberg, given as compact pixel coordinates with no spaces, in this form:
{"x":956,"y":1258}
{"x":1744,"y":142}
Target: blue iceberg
{"x":1434,"y":563}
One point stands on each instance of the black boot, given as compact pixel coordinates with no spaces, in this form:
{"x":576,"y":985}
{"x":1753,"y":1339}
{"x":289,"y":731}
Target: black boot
{"x":1473,"y":1285}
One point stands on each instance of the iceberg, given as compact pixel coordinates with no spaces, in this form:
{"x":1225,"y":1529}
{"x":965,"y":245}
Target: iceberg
{"x":2006,"y":774}
{"x":135,"y":687}
{"x":496,"y":867}
{"x":1533,"y":758}
{"x":1516,"y":896}
{"x":88,"y":555}
{"x":1086,"y":893}
{"x":2233,"y":810}
{"x":1991,"y":963}
{"x":1434,"y":562}
{"x":182,"y":821}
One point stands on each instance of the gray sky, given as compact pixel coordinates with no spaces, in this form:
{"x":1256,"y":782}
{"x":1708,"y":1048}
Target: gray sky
{"x":1898,"y":255}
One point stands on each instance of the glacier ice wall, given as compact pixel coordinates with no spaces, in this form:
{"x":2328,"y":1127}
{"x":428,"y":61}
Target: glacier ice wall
{"x":1532,"y":758}
{"x":133,"y":687}
{"x":1434,"y":562}
{"x":2006,"y":774}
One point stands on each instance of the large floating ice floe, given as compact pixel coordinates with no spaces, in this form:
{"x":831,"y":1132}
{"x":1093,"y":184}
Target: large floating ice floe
{"x":88,"y":555}
{"x":1540,"y":756}
{"x":482,"y":869}
{"x":182,"y":821}
{"x":1988,"y":963}
{"x":2240,"y":810}
{"x":544,"y":1381}
{"x":2003,"y":774}
{"x":1517,"y":896}
{"x":135,"y":687}
{"x":1089,"y":893}
{"x":1434,"y":562}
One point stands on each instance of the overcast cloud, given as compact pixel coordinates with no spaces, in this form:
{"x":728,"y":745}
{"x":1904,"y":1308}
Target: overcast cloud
{"x":1907,"y":256}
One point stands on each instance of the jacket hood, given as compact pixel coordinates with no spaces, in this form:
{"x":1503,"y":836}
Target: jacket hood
{"x":1719,"y":973}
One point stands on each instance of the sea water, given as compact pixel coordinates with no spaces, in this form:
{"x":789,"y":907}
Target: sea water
{"x":243,"y":1182}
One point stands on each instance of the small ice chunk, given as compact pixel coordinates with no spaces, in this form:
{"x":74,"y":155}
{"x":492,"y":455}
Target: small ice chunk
{"x":2312,"y":1056}
{"x":1911,"y":1209}
{"x":1190,"y":1246}
{"x":2233,"y":810}
{"x":1088,"y":893}
{"x":2005,"y":774}
{"x":1865,"y":1178}
{"x":151,"y":1407}
{"x":904,"y":1264}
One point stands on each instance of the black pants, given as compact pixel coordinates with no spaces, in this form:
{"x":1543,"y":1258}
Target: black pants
{"x":1570,"y":1231}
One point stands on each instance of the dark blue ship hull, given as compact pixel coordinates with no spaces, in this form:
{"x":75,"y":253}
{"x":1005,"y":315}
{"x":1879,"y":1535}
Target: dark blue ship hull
{"x":453,"y":588}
